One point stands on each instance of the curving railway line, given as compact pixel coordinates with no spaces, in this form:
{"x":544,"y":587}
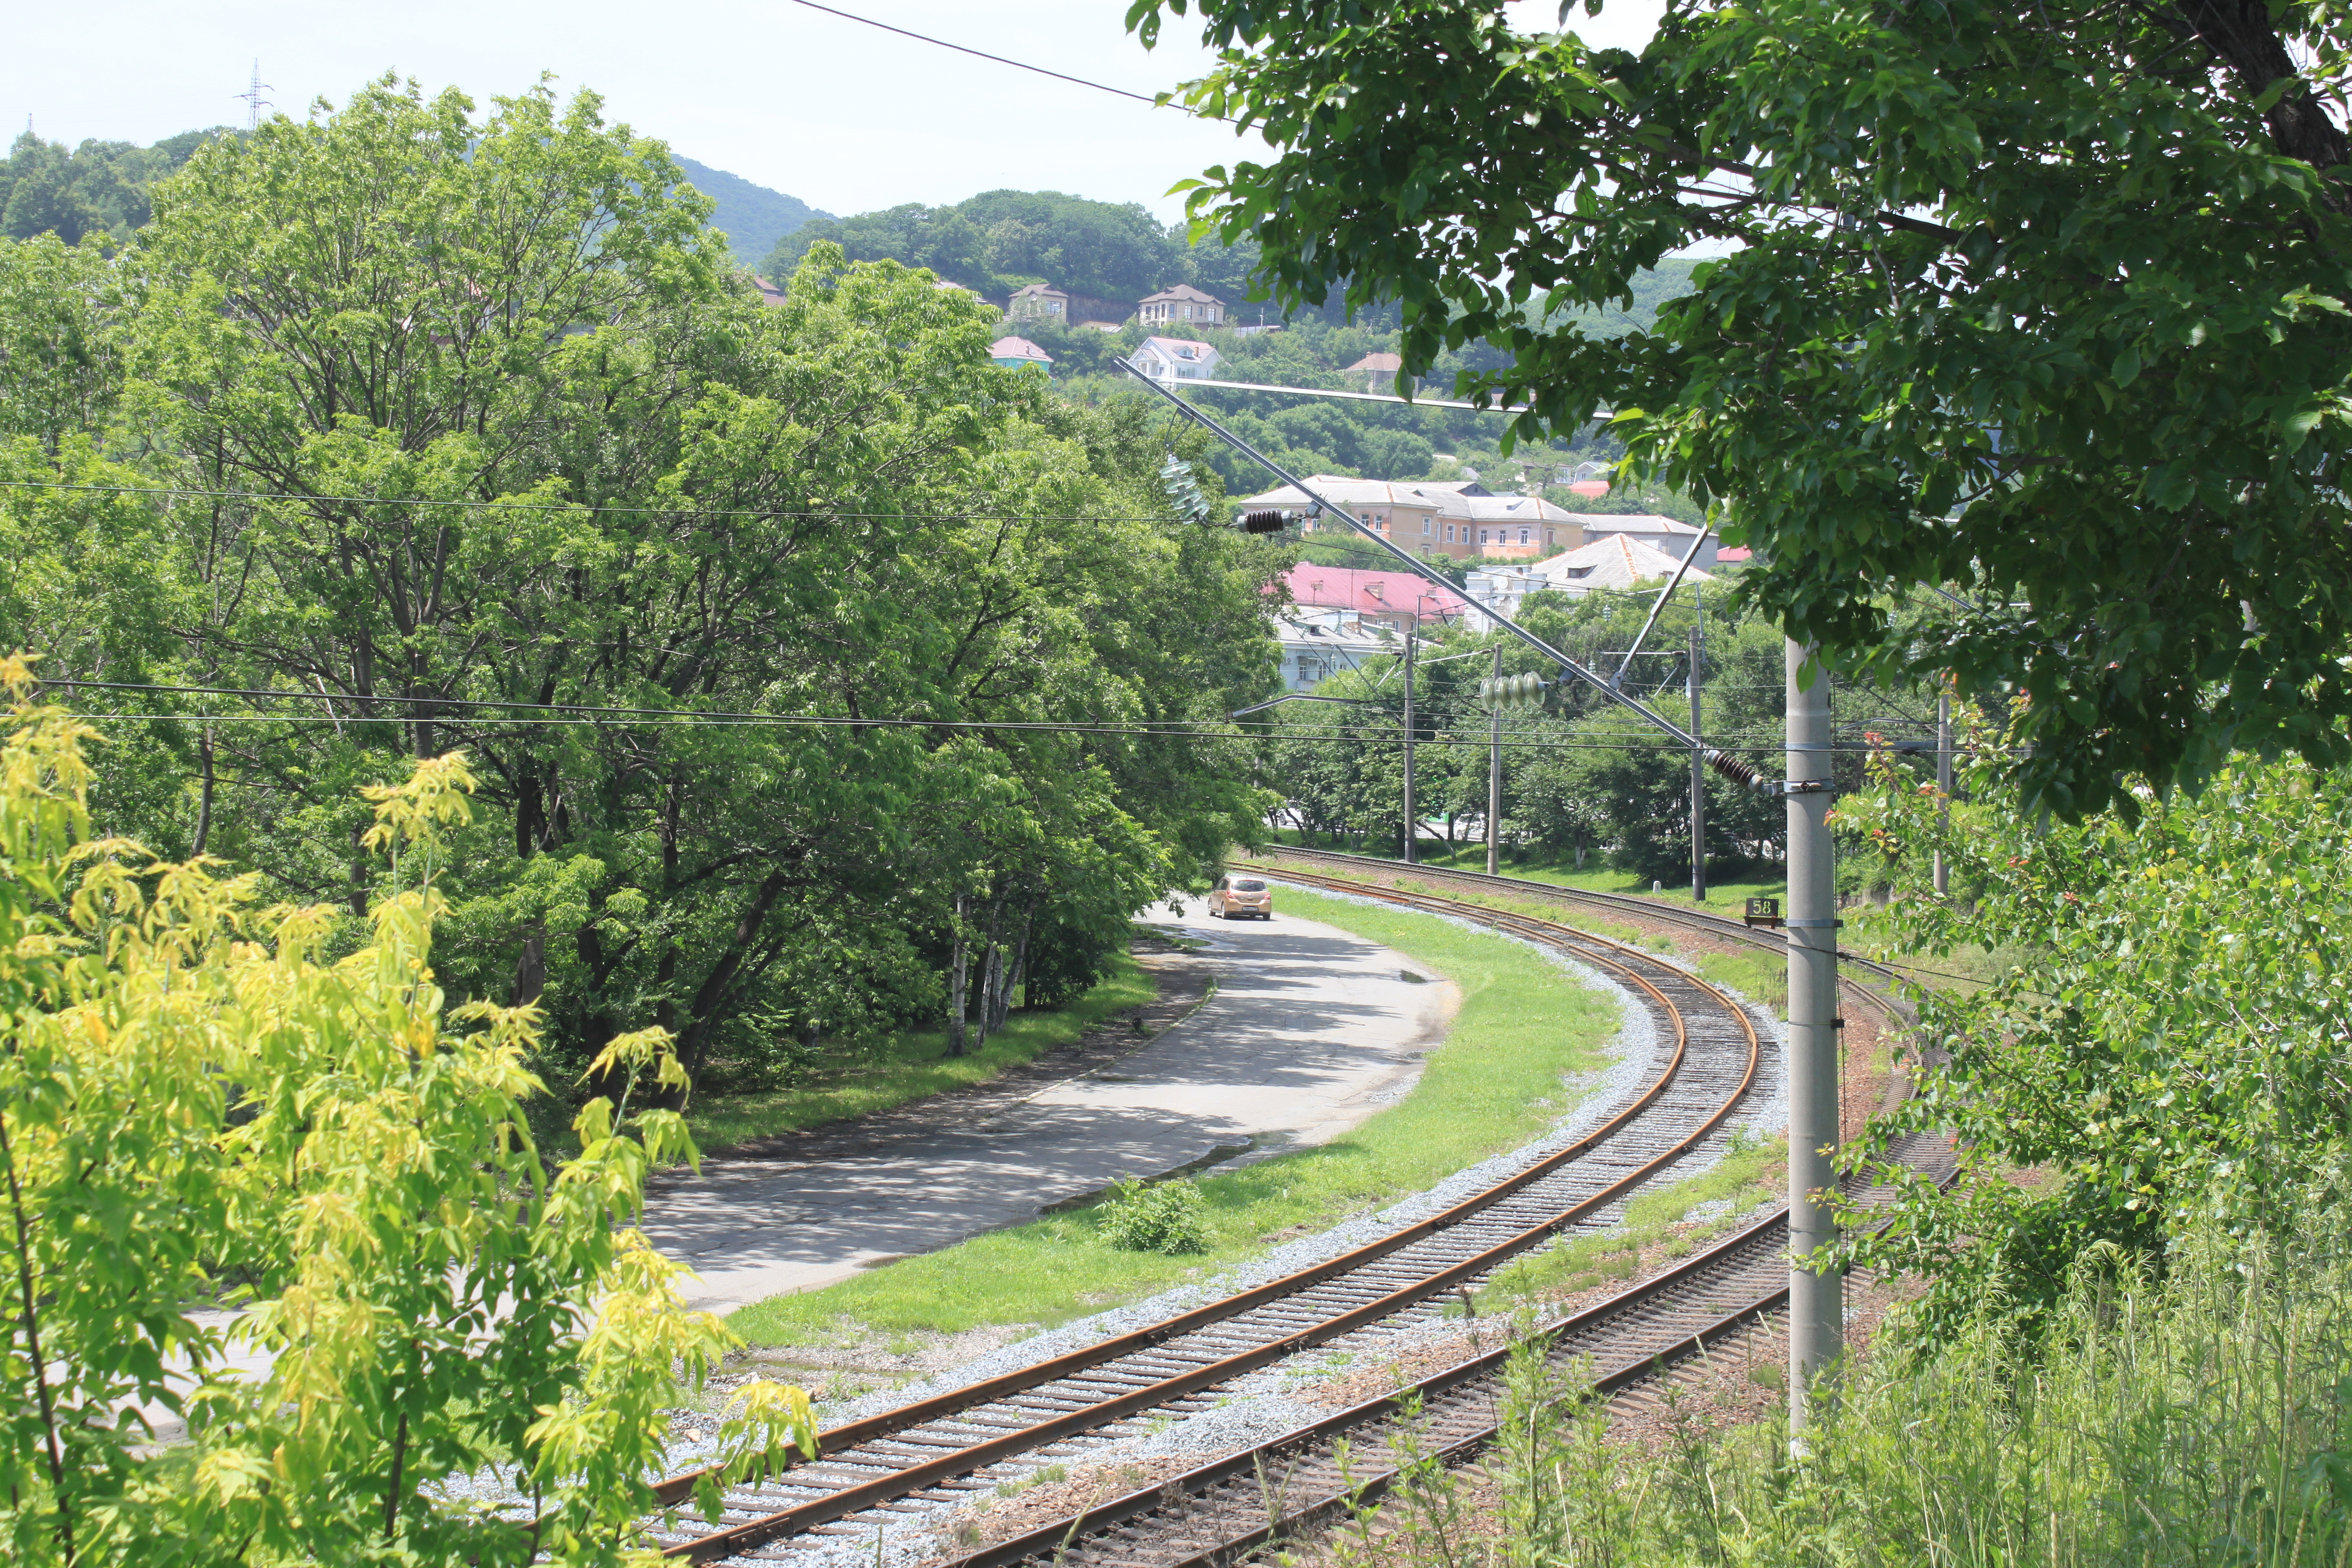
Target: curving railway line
{"x":917,"y":1459}
{"x":1721,"y":927}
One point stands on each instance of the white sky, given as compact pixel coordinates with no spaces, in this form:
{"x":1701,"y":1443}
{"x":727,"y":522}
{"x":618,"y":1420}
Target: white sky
{"x":845,"y":116}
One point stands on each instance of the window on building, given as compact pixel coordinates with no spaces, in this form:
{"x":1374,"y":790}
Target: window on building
{"x":1526,"y":535}
{"x":1427,"y":527}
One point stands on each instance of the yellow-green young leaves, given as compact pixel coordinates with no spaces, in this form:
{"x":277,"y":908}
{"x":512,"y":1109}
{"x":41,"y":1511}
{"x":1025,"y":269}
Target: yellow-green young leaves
{"x":292,"y":1203}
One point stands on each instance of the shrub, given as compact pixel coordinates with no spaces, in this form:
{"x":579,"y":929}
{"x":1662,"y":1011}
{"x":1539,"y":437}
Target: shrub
{"x":193,"y":1097}
{"x":1168,"y":1217}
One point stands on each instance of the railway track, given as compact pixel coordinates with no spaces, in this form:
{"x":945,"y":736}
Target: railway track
{"x":1253,"y":1500}
{"x":1722,"y":928}
{"x":914,"y":1460}
{"x":1282,"y":1489}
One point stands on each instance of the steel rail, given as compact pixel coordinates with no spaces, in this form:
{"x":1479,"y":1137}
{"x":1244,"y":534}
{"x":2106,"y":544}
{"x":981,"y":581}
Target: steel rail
{"x":849,"y":1434}
{"x":901,"y":1482}
{"x":1722,"y":926}
{"x":1755,"y":1252}
{"x":1055,"y":1537}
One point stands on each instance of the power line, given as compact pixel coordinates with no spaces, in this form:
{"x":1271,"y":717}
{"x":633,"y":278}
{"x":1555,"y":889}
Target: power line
{"x":688,"y":721}
{"x":513,"y":712}
{"x":1000,"y":59}
{"x":303,"y":497}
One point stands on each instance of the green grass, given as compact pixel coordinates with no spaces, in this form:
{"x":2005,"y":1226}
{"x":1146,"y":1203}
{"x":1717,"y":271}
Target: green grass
{"x":1757,"y":974}
{"x":895,"y":1068}
{"x":1723,"y":897}
{"x":1578,"y":1263}
{"x":1493,"y":1084}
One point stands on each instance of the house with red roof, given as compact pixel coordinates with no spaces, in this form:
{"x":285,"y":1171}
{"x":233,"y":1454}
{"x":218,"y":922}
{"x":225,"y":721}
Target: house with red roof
{"x":1400,"y":600}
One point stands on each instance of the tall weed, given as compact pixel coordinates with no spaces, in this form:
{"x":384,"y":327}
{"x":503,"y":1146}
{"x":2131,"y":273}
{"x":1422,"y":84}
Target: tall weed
{"x":2194,"y":1421}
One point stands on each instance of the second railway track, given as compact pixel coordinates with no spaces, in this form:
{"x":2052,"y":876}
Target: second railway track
{"x":922,"y":1456}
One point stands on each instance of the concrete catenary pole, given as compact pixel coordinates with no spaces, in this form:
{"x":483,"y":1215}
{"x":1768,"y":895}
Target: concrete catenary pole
{"x":1943,"y":781}
{"x":1411,"y":818}
{"x":1495,"y":775}
{"x":1698,"y":764}
{"x":1816,"y":1298}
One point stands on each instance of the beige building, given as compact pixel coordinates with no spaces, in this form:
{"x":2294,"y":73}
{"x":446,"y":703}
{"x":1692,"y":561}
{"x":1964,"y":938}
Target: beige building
{"x":1453,"y":518}
{"x":1039,"y":301}
{"x":1518,"y":527}
{"x":1182,"y":303}
{"x":1378,"y":371}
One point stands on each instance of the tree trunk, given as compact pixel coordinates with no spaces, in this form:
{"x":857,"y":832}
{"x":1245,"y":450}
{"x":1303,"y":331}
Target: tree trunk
{"x":991,"y":971}
{"x":530,"y":965}
{"x":1018,"y":971}
{"x":955,"y":983}
{"x":358,"y":892}
{"x":205,"y":800}
{"x":710,"y":1000}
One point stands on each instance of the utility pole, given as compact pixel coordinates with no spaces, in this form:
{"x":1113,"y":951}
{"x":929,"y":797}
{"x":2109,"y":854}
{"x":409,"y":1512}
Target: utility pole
{"x":1943,"y":781}
{"x":1698,"y":759}
{"x":1495,"y":778}
{"x":1816,"y":1299}
{"x":1412,"y":820}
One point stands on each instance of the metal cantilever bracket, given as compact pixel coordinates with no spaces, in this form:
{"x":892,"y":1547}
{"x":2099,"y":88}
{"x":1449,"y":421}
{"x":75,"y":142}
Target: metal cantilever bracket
{"x":1797,"y":786}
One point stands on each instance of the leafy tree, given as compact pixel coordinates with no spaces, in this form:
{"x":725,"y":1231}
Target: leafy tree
{"x":512,"y":462}
{"x":60,"y":369}
{"x":2049,"y":309}
{"x":2167,"y":1051}
{"x":196,"y":1105}
{"x":98,"y":188}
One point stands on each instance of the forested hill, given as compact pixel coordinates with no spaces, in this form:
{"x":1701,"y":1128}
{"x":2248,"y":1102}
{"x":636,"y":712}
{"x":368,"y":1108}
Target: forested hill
{"x":753,"y":217}
{"x":998,"y":241}
{"x":101,"y":186}
{"x":1106,"y":255}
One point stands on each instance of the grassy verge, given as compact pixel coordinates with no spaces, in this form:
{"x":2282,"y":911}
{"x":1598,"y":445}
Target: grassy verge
{"x":1722,"y":896}
{"x":1754,"y":973}
{"x":1493,"y":1084}
{"x":895,"y":1068}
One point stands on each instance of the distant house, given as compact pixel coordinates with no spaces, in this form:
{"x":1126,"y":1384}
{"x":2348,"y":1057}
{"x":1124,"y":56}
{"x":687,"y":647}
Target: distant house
{"x":1039,"y":301}
{"x":1453,"y":518}
{"x":769,"y":293}
{"x":1182,"y":303}
{"x":1013,"y":353}
{"x":1176,"y":359}
{"x":1398,"y":600}
{"x":1517,"y":525}
{"x":1658,"y":532}
{"x":1378,"y":370}
{"x":1619,"y":561}
{"x":1317,"y":644}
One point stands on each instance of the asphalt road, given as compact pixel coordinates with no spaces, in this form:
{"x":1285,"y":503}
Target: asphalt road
{"x":1311,"y":1029}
